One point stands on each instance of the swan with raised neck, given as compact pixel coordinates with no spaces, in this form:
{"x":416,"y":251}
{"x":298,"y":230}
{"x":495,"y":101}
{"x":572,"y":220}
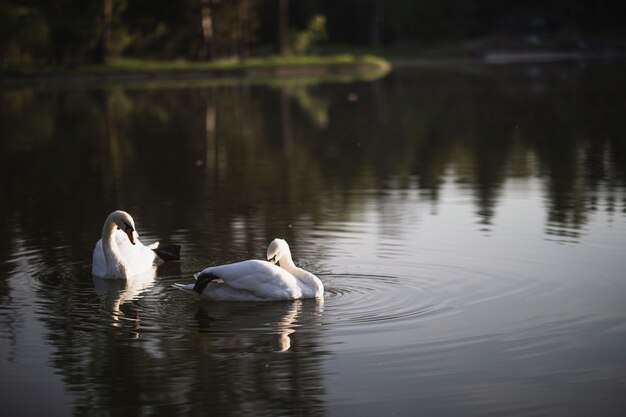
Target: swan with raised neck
{"x":120,"y":254}
{"x":116,"y":263}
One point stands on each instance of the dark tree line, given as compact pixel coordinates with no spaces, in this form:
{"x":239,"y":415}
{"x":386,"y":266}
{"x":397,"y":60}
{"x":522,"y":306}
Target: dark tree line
{"x":74,"y":32}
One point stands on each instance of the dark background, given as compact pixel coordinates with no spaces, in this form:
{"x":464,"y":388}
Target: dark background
{"x":78,"y":32}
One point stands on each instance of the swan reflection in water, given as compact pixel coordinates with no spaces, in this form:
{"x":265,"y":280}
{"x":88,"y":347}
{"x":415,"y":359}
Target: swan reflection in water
{"x":260,"y":325}
{"x":115,"y":292}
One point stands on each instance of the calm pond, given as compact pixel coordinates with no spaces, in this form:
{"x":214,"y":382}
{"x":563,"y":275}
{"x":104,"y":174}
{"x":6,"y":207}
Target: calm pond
{"x":469,"y":225}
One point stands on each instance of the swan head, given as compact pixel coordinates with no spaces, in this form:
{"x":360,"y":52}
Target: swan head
{"x":277,"y":249}
{"x":124,"y":222}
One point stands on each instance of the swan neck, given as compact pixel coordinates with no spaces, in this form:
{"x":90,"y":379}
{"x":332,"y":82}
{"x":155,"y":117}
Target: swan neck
{"x":287,"y":263}
{"x":109,"y":245}
{"x":312,"y":283}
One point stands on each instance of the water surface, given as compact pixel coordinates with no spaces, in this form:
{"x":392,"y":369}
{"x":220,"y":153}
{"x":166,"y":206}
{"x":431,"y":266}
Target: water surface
{"x":469,"y":226}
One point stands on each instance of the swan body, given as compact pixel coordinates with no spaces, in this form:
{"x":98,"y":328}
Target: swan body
{"x":119,"y":253}
{"x":256,"y":280}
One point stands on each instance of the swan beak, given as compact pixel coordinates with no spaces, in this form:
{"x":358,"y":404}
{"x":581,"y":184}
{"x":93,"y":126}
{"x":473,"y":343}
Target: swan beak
{"x":272,"y":259}
{"x":129,"y":231}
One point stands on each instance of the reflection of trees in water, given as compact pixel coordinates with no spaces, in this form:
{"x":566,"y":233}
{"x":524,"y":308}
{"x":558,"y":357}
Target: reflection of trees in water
{"x":492,"y":128}
{"x":254,"y":159}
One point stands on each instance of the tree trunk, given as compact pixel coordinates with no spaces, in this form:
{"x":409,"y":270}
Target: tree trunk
{"x":376,"y":19}
{"x":207,"y":50}
{"x":102,"y":47}
{"x":283,"y":26}
{"x":244,"y":29}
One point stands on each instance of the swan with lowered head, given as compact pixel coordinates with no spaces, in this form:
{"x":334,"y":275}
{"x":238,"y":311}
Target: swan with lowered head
{"x":256,"y":280}
{"x":119,"y":253}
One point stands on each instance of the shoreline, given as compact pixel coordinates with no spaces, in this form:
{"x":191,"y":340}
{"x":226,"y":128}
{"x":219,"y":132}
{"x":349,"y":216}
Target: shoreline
{"x":147,"y":71}
{"x":339,"y":67}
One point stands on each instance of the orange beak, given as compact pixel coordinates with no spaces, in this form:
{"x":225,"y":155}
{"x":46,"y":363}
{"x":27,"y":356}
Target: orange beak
{"x":129,"y":231}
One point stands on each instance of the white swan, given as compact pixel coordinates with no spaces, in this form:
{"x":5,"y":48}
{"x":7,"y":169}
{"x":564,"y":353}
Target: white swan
{"x":257,"y":280}
{"x":120,"y":254}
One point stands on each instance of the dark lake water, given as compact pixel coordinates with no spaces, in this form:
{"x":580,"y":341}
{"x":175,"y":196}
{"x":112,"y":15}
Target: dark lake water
{"x":469,"y":225}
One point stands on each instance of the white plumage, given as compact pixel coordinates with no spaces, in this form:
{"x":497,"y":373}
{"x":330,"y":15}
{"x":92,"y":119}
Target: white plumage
{"x":256,"y":280}
{"x":119,"y":253}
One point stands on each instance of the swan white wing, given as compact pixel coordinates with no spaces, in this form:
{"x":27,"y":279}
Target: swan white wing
{"x":261,"y":279}
{"x":99,"y":265}
{"x":218,"y":291}
{"x":139,"y":258}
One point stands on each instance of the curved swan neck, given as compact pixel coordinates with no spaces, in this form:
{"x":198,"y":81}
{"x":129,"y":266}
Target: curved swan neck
{"x":286,"y":262}
{"x":109,"y":245}
{"x":312,"y":282}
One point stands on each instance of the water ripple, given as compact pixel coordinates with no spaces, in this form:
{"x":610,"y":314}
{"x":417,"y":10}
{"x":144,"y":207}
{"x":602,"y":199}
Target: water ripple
{"x":376,"y":299}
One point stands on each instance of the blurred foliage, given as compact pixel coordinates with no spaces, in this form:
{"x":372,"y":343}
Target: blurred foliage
{"x":24,"y":34}
{"x":302,"y":41}
{"x":73,"y":32}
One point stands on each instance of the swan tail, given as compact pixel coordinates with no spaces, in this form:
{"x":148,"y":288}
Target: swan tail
{"x":168,"y":253}
{"x":203,"y":273}
{"x":202,"y":280}
{"x":185,"y":287}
